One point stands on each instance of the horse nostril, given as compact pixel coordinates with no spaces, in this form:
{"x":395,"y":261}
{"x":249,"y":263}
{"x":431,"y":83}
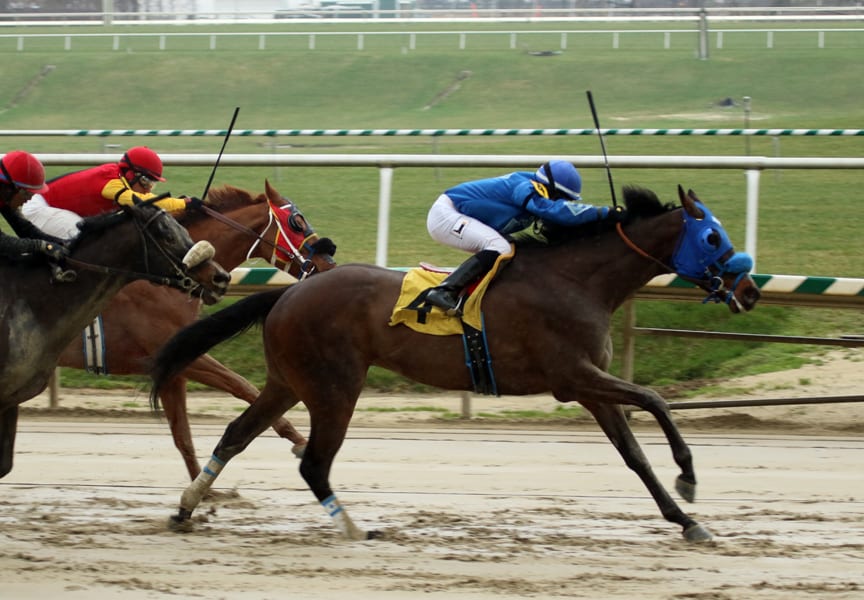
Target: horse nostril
{"x":222,"y":278}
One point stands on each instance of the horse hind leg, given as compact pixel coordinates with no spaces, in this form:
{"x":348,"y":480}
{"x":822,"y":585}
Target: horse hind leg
{"x":613,"y":422}
{"x":209,"y":371}
{"x":329,"y":425}
{"x":270,"y":404}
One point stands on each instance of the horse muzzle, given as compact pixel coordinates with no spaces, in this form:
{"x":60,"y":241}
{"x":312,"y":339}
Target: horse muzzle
{"x":744,"y":294}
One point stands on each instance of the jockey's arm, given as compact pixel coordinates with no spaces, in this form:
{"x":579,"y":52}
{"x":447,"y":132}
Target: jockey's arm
{"x":565,"y":212}
{"x":122,"y":194}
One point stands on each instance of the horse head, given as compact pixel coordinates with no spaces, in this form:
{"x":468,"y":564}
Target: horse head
{"x":165,"y":254}
{"x":705,"y":256}
{"x":297,"y":246}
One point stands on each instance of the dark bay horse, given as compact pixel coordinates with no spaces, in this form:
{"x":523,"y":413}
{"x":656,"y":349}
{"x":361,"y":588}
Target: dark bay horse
{"x":38,"y":317}
{"x":142,"y":317}
{"x":547,"y":318}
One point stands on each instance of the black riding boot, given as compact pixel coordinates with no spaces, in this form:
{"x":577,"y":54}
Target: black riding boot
{"x":445,"y":296}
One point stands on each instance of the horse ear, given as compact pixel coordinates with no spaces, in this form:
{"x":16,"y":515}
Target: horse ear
{"x":272,"y":195}
{"x":688,"y":201}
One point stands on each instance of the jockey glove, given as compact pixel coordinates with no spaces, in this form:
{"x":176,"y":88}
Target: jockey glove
{"x":194,"y":203}
{"x":616,"y":214}
{"x":52,"y":250}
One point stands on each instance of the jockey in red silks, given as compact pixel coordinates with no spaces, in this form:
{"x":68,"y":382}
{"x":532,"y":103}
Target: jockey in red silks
{"x":101,"y":189}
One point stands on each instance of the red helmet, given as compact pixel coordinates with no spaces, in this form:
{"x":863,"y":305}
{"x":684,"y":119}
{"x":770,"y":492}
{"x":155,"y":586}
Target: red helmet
{"x":142,"y":159}
{"x":23,"y":170}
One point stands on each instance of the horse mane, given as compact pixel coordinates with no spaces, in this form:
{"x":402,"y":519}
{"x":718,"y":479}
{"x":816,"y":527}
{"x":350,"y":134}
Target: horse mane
{"x":229,"y":197}
{"x":222,"y":199}
{"x":641,"y":203}
{"x":100,"y":222}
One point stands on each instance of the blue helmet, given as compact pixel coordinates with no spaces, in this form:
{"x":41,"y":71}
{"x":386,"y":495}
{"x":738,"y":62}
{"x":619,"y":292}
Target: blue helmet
{"x":562,"y":179}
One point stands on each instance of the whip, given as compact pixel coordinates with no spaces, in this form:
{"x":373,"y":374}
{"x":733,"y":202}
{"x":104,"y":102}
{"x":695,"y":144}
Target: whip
{"x":219,"y":158}
{"x":602,"y":147}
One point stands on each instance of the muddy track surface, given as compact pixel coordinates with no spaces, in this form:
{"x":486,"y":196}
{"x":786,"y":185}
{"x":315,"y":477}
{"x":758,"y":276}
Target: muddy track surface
{"x":475,"y":513}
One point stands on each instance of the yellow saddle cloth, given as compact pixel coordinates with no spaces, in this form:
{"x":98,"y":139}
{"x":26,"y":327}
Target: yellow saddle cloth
{"x":418,"y":280}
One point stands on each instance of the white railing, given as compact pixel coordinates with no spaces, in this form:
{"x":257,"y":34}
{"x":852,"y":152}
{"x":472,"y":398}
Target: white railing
{"x":369,"y":13}
{"x":844,"y":292}
{"x":512,"y":39}
{"x":387,"y":163}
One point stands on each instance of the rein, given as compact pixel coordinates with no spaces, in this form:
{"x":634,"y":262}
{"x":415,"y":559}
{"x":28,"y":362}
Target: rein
{"x":294,"y":254}
{"x":180,"y":281}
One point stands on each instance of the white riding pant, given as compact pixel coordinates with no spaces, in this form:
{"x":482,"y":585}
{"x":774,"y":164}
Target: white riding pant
{"x":58,"y":222}
{"x":451,"y":228}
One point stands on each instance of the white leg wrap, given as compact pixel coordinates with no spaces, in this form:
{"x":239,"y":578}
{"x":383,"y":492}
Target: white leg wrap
{"x":192,"y":495}
{"x":341,"y":519}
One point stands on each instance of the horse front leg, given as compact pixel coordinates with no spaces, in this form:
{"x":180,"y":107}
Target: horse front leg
{"x":606,"y":389}
{"x":270,"y":404}
{"x":613,"y":422}
{"x":8,"y":429}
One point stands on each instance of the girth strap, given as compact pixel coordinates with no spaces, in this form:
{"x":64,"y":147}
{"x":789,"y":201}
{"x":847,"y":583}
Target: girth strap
{"x":478,"y":360}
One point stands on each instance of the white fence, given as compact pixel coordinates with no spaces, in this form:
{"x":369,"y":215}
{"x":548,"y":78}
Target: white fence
{"x":387,"y":163}
{"x":791,"y":290}
{"x":365,"y":11}
{"x":414,"y":40}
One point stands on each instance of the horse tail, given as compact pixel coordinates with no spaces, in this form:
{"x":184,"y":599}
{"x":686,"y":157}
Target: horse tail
{"x":194,"y":340}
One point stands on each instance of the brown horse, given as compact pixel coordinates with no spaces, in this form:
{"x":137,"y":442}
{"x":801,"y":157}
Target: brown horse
{"x":142,"y":317}
{"x":38,"y":317}
{"x":547,"y":317}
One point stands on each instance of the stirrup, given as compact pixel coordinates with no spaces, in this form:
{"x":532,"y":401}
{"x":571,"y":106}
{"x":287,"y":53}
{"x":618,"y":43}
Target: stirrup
{"x":451,"y":309}
{"x":443,"y":299}
{"x":457,"y":310}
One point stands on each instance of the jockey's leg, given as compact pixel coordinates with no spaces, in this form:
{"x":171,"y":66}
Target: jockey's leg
{"x":54,"y":221}
{"x":445,"y":295}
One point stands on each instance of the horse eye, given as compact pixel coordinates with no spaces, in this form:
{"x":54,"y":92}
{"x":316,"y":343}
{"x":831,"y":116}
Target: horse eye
{"x":713,"y":239}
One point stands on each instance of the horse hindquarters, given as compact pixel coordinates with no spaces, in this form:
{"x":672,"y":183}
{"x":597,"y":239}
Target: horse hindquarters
{"x":8,"y":429}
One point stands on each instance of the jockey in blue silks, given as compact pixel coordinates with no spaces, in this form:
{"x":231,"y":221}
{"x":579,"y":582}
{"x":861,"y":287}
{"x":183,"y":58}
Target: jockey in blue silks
{"x":476,"y":216}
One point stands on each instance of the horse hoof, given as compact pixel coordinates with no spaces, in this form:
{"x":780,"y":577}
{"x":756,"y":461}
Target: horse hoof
{"x":697,"y":533}
{"x":685,"y":489}
{"x":298,"y":450}
{"x":180,"y":523}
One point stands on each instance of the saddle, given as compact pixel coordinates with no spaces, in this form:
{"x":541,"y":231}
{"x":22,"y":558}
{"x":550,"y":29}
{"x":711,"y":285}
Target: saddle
{"x":410,"y":311}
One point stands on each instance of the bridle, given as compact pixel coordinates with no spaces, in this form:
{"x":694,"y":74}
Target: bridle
{"x":179,"y":280}
{"x":710,"y":279}
{"x":305,"y":265}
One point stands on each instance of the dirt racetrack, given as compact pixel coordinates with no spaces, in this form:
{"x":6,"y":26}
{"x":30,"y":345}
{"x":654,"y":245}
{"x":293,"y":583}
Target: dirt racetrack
{"x":474,"y":511}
